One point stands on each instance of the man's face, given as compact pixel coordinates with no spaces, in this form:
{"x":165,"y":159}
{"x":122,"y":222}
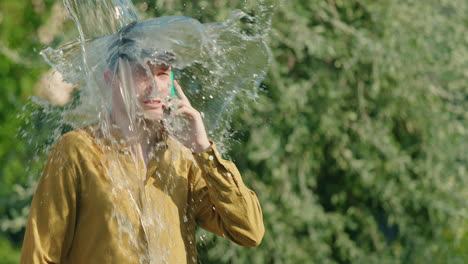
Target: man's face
{"x":152,"y":88}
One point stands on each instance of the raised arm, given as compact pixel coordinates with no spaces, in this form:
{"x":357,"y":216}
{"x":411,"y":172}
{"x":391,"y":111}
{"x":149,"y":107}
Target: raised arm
{"x":223,"y":204}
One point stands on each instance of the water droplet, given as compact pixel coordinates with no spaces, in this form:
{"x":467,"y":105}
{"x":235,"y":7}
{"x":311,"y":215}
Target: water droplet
{"x":210,"y":157}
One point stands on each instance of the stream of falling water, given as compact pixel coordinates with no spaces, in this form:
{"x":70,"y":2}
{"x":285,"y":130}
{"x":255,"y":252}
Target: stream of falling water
{"x":214,"y":63}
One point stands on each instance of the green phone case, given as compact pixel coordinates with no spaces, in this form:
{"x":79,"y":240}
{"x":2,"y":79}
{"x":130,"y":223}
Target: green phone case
{"x":172,"y":84}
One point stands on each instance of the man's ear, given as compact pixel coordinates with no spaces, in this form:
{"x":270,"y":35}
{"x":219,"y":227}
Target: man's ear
{"x":108,"y":76}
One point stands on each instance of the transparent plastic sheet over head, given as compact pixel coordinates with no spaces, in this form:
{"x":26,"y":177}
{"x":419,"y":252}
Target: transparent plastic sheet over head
{"x":125,"y":71}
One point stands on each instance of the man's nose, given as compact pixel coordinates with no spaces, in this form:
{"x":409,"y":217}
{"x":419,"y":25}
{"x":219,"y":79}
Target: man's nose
{"x":153,"y":89}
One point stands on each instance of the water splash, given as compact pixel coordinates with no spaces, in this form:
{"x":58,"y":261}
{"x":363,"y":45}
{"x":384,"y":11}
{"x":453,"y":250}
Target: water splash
{"x":215,"y":63}
{"x":110,"y":64}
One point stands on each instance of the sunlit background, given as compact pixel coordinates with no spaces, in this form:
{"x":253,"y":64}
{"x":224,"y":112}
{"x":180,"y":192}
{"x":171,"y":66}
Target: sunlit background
{"x":357,"y":146}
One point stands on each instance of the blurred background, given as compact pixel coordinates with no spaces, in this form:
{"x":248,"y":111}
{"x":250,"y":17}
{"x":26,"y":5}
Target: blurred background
{"x":356,"y":147}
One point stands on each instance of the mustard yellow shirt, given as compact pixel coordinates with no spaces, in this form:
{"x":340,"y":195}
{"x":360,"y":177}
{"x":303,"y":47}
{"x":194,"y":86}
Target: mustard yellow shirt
{"x":96,"y":203}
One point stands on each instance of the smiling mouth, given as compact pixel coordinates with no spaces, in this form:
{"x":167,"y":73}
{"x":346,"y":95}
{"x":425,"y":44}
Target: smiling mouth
{"x":154,"y":104}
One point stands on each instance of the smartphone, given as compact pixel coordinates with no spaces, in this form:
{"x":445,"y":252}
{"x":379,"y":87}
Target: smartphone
{"x":172,"y":85}
{"x":168,"y":110}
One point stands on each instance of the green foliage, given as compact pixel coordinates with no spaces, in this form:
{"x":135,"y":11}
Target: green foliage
{"x":8,"y":253}
{"x":19,"y":70}
{"x":356,"y":146}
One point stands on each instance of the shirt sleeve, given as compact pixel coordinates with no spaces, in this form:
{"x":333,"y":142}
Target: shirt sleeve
{"x":223,"y":204}
{"x":51,"y":222}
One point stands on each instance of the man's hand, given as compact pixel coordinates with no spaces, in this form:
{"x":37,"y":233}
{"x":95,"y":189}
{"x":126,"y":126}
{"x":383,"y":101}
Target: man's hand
{"x":194,"y":136}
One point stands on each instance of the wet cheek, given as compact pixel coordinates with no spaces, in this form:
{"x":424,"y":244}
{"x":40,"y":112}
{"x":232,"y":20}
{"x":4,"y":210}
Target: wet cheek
{"x":139,"y":90}
{"x":165,"y":88}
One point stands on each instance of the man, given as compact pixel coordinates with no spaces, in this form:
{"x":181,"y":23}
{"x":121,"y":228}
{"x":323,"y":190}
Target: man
{"x":126,"y":190}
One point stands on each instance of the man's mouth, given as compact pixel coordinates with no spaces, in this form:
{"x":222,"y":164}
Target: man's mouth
{"x":154,"y":103}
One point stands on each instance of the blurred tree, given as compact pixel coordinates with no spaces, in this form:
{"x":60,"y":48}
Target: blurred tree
{"x":19,"y":69}
{"x":356,"y":147}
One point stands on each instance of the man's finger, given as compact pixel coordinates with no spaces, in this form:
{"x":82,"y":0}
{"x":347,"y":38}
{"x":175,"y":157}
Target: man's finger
{"x":181,"y":103}
{"x":188,"y":111}
{"x":180,"y":92}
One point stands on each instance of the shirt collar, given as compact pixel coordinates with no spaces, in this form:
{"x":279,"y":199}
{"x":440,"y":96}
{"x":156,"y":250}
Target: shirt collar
{"x":114,"y":138}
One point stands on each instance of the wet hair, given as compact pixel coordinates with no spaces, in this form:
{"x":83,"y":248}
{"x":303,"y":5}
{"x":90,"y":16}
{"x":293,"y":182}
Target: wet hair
{"x":126,"y":48}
